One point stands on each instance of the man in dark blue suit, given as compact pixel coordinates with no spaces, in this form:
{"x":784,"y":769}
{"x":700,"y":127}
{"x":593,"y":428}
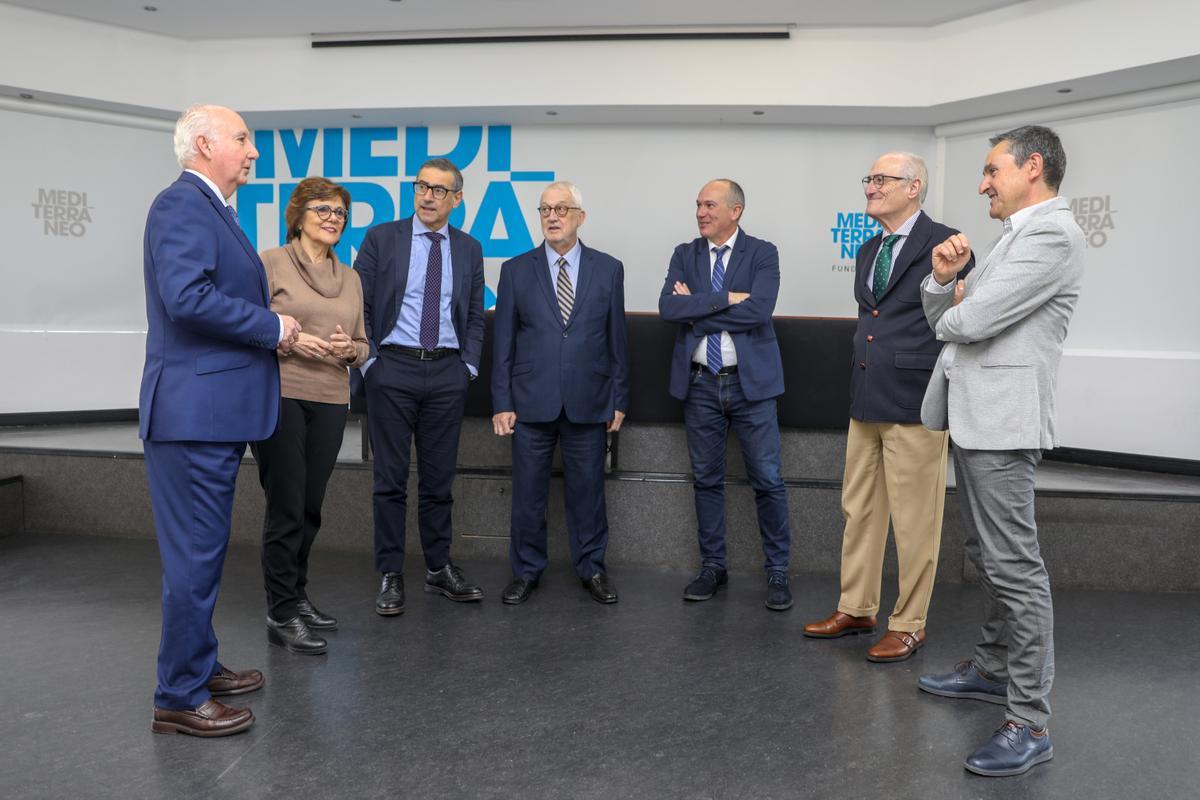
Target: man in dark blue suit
{"x":895,"y":466}
{"x":422,"y":286}
{"x":721,"y":289}
{"x":210,"y":384}
{"x":561,"y":375}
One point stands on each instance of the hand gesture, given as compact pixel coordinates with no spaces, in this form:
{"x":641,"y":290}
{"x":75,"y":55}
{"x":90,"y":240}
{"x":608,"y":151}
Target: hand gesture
{"x":342,"y":345}
{"x":681,"y":288}
{"x":950,"y":257}
{"x":615,"y":423}
{"x":291,"y":329}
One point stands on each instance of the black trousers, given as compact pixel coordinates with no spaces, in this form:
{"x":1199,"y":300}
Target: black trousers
{"x":294,"y":467}
{"x":411,"y":400}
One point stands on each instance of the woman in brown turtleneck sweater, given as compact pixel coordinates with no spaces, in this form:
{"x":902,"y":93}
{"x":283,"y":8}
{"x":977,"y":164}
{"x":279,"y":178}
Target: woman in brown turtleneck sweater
{"x":309,"y":283}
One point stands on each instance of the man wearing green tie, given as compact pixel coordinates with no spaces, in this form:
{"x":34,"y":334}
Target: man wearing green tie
{"x":895,"y":467}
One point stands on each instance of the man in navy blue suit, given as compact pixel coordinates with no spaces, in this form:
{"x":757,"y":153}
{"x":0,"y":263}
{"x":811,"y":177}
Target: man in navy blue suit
{"x":210,"y":384}
{"x":422,"y":282}
{"x":721,"y":289}
{"x":895,"y":466}
{"x":561,"y":376}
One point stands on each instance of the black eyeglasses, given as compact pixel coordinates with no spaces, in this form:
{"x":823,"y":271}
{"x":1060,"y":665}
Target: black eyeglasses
{"x":561,"y":210}
{"x":422,"y":188}
{"x":878,"y":180}
{"x":325,"y":212}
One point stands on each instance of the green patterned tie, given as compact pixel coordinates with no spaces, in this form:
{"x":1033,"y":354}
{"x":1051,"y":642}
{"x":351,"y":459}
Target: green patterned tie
{"x":883,"y":265}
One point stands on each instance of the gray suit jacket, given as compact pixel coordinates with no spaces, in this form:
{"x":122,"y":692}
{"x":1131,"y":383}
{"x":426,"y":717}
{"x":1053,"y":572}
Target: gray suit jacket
{"x":1009,"y":331}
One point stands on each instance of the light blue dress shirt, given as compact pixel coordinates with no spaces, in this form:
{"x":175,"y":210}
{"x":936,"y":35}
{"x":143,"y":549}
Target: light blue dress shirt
{"x":407,"y":332}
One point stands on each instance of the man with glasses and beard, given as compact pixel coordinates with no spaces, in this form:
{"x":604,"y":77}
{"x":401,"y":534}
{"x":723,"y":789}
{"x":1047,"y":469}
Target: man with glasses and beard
{"x":422,"y":286}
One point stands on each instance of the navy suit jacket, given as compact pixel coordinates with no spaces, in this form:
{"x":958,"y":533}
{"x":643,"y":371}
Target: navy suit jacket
{"x":382,"y":266}
{"x":211,"y":374}
{"x":895,"y":350}
{"x":752,"y":267}
{"x":542,"y":366}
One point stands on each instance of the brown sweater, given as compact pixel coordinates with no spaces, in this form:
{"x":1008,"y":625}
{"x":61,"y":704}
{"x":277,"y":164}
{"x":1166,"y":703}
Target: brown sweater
{"x":321,"y":296}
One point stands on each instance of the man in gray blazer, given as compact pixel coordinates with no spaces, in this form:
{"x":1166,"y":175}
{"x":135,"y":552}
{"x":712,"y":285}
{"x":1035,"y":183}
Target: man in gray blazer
{"x":994,"y":389}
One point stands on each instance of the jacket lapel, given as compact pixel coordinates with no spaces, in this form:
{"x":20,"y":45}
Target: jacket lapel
{"x":734,"y":258}
{"x":404,"y":232}
{"x":584,"y":281}
{"x":227,"y":216}
{"x":702,"y":270}
{"x":541,"y":276}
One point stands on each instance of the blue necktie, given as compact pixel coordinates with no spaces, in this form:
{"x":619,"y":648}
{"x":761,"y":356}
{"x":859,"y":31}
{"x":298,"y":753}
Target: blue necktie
{"x":714,"y":339}
{"x":431,"y":304}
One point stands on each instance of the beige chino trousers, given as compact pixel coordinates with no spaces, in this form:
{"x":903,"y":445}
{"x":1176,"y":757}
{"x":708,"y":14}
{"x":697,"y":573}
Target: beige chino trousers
{"x":898,"y":472}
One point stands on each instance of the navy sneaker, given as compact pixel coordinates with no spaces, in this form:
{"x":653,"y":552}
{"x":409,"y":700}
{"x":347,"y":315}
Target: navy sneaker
{"x":967,"y":681}
{"x":1012,"y":750}
{"x":705,"y":584}
{"x":779,"y":596}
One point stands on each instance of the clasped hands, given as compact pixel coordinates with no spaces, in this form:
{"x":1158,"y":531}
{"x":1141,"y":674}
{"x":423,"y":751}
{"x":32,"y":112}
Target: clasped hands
{"x":734,"y":297}
{"x":339,"y":345}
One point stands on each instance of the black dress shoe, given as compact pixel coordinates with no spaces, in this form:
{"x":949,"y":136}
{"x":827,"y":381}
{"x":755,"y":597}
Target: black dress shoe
{"x":779,"y":596}
{"x":313,"y":618}
{"x":449,"y":581}
{"x":295,"y":637}
{"x":599,"y":588}
{"x":705,"y":584}
{"x":518,"y":591}
{"x":390,"y":601}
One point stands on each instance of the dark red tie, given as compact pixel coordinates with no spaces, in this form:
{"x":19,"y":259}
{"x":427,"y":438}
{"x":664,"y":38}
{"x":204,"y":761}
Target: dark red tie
{"x":431,"y":305}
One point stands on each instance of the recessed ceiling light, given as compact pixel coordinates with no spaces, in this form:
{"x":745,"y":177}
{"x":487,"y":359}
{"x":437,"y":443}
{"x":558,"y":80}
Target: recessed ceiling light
{"x":356,"y":116}
{"x":1064,"y":90}
{"x":26,"y":96}
{"x":149,"y":8}
{"x":759,"y":113}
{"x":551,"y":113}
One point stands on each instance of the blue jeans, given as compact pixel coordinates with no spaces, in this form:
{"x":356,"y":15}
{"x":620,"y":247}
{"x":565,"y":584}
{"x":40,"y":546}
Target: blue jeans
{"x":714,"y":403}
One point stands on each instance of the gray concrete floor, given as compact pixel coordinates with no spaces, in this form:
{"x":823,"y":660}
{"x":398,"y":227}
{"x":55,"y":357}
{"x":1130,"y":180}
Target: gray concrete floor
{"x":562,"y":697}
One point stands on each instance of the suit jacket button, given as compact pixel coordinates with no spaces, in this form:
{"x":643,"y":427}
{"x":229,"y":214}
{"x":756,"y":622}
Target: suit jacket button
{"x":870,"y":338}
{"x":875,"y":313}
{"x":862,"y":365}
{"x":564,"y":334}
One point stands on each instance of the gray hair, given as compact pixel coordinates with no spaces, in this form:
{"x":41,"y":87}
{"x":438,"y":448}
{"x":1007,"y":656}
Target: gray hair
{"x":1029,"y":139}
{"x":735,"y":195}
{"x":569,"y":188}
{"x":915,"y":170}
{"x":445,"y":165}
{"x":195,"y":121}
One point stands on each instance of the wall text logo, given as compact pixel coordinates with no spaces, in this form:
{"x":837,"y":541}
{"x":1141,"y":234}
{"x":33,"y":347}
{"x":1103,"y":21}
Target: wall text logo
{"x":852,"y":229}
{"x":1095,"y":216}
{"x":62,"y":212}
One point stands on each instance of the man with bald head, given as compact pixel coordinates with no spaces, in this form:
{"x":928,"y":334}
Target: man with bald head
{"x":209,"y":386}
{"x":895,"y":466}
{"x":721,"y":290}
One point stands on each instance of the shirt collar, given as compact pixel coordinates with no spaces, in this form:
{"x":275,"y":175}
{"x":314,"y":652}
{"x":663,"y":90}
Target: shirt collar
{"x":905,"y":229}
{"x":210,"y":185}
{"x":420,"y":228}
{"x":1019,"y":219}
{"x":572,"y":255}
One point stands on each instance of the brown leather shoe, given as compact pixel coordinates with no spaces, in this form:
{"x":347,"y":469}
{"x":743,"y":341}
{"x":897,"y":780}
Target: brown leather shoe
{"x":896,"y":646}
{"x":212,"y":718}
{"x":839,"y":625}
{"x":227,"y":682}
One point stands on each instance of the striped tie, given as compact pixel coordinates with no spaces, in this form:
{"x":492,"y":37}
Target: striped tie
{"x":566,"y":295}
{"x":713,"y":348}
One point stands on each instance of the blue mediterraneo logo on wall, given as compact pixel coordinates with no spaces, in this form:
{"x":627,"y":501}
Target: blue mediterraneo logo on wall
{"x":380,"y":181}
{"x":853,"y":228}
